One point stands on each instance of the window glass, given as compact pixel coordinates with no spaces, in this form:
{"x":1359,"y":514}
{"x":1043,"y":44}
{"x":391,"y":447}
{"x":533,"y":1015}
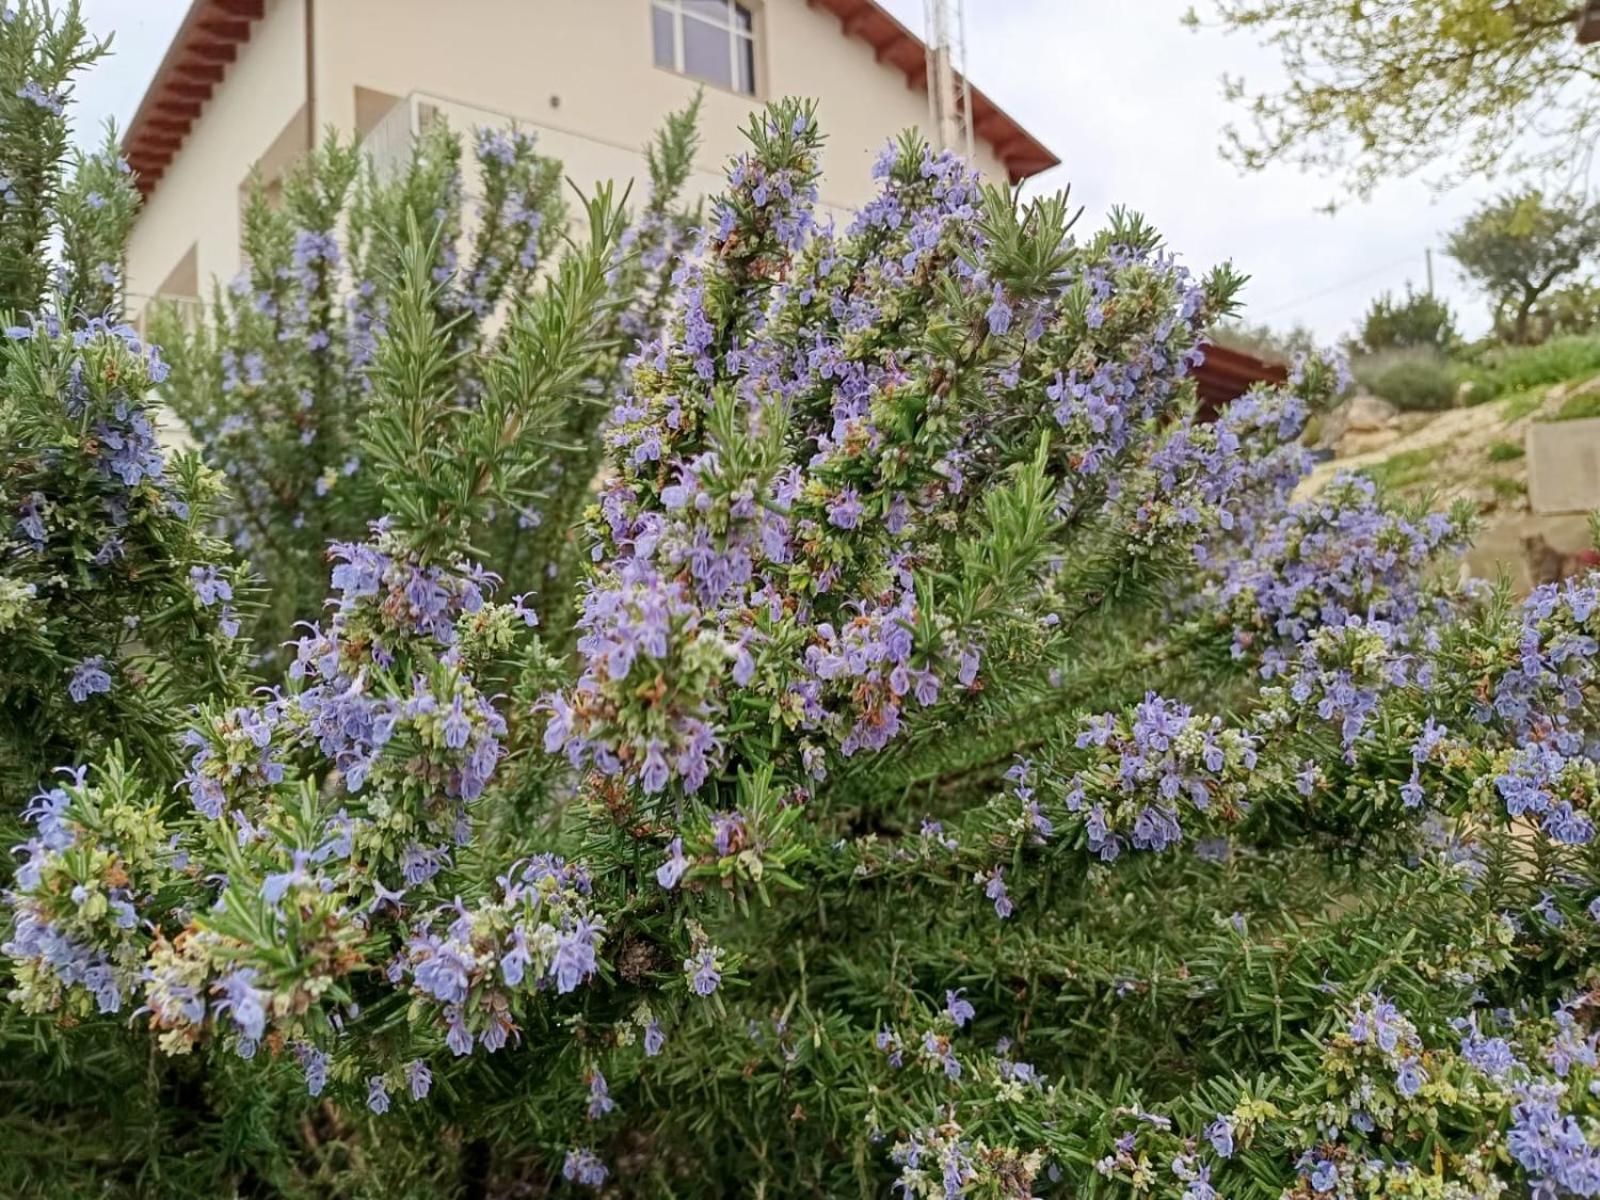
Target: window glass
{"x":665,"y":37}
{"x":715,"y":11}
{"x":745,"y":51}
{"x":705,"y":52}
{"x":713,"y":40}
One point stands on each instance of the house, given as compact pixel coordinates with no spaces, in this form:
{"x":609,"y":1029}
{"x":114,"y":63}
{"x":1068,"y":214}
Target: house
{"x":248,"y":84}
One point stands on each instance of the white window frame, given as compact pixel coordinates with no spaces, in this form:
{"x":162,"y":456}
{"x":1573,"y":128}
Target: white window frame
{"x":729,"y":25}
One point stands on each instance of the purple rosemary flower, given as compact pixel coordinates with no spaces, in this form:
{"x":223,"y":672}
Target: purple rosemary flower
{"x":418,"y":1078}
{"x":1000,"y":313}
{"x":89,"y":678}
{"x":671,"y":871}
{"x":600,"y":1102}
{"x":315,"y":1065}
{"x":36,"y":94}
{"x":1410,"y":1077}
{"x":575,"y":955}
{"x":1220,"y":1134}
{"x":245,"y":1001}
{"x":957,"y":1008}
{"x":844,"y":510}
{"x":209,"y":585}
{"x":702,"y":971}
{"x":583,"y":1167}
{"x":994,"y":888}
{"x":889,"y":1042}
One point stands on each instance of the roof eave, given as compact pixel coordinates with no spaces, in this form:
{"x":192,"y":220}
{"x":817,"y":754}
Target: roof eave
{"x":1022,"y":154}
{"x":208,"y":39}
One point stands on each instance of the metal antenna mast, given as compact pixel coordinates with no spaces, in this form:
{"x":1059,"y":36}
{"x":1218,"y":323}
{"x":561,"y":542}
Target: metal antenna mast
{"x":949,"y":102}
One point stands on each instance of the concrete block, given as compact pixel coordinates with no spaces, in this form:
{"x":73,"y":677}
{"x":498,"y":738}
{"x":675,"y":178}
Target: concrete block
{"x":1564,"y":466}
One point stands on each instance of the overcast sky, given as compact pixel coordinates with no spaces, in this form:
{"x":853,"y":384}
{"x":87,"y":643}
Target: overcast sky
{"x":1131,"y":102}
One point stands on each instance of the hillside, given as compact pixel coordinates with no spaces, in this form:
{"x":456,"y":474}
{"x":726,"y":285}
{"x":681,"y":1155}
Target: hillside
{"x":1473,"y":453}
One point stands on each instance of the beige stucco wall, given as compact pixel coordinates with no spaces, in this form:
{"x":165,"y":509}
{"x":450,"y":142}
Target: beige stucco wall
{"x":577,"y":72}
{"x":197,"y":201}
{"x":514,"y":56}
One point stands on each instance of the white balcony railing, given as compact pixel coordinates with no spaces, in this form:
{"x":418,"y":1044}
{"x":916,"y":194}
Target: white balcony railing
{"x":389,"y":142}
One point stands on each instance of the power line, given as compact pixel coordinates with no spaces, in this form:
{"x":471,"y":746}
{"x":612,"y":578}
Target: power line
{"x":1338,"y":287}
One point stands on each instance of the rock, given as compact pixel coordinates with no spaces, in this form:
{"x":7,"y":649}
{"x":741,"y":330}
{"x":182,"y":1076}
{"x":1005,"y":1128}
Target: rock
{"x":1483,"y":499}
{"x":1331,"y":428}
{"x":1367,"y":413}
{"x":1364,"y":441}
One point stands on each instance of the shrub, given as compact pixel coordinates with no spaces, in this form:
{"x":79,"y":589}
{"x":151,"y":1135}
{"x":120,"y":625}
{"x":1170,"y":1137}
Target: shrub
{"x":1497,"y":369}
{"x":1574,"y":309}
{"x":1505,"y":451}
{"x":1265,"y":342}
{"x":1519,"y":246}
{"x":971,"y":772}
{"x":1420,"y":321}
{"x":1507,"y":489}
{"x":1412,"y":380}
{"x":275,"y":383}
{"x":1521,"y":404}
{"x":1406,"y":468}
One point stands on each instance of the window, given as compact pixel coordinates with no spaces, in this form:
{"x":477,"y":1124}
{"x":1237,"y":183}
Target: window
{"x":712,"y":40}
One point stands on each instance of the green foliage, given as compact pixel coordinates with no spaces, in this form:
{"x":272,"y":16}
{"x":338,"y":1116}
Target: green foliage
{"x":1521,"y":404}
{"x":273,"y":383}
{"x":1386,"y":88}
{"x":281,"y":384}
{"x":1506,"y":488}
{"x":1577,"y":408}
{"x":1414,"y":380}
{"x":98,"y":535}
{"x":971,"y":772}
{"x":1518,"y":247}
{"x":1574,"y":309}
{"x":1505,"y":451}
{"x":1497,"y":370}
{"x":94,"y":209}
{"x":100,"y":560}
{"x":443,"y":465}
{"x":1405,"y":469}
{"x":41,"y":49}
{"x":1420,"y":321}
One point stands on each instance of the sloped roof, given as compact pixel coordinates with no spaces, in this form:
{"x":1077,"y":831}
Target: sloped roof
{"x":206,"y":42}
{"x":212,"y":32}
{"x":891,"y":42}
{"x":1226,"y":374}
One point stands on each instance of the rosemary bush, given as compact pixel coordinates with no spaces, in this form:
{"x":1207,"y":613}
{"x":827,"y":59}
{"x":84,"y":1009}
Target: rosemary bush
{"x":936,"y":761}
